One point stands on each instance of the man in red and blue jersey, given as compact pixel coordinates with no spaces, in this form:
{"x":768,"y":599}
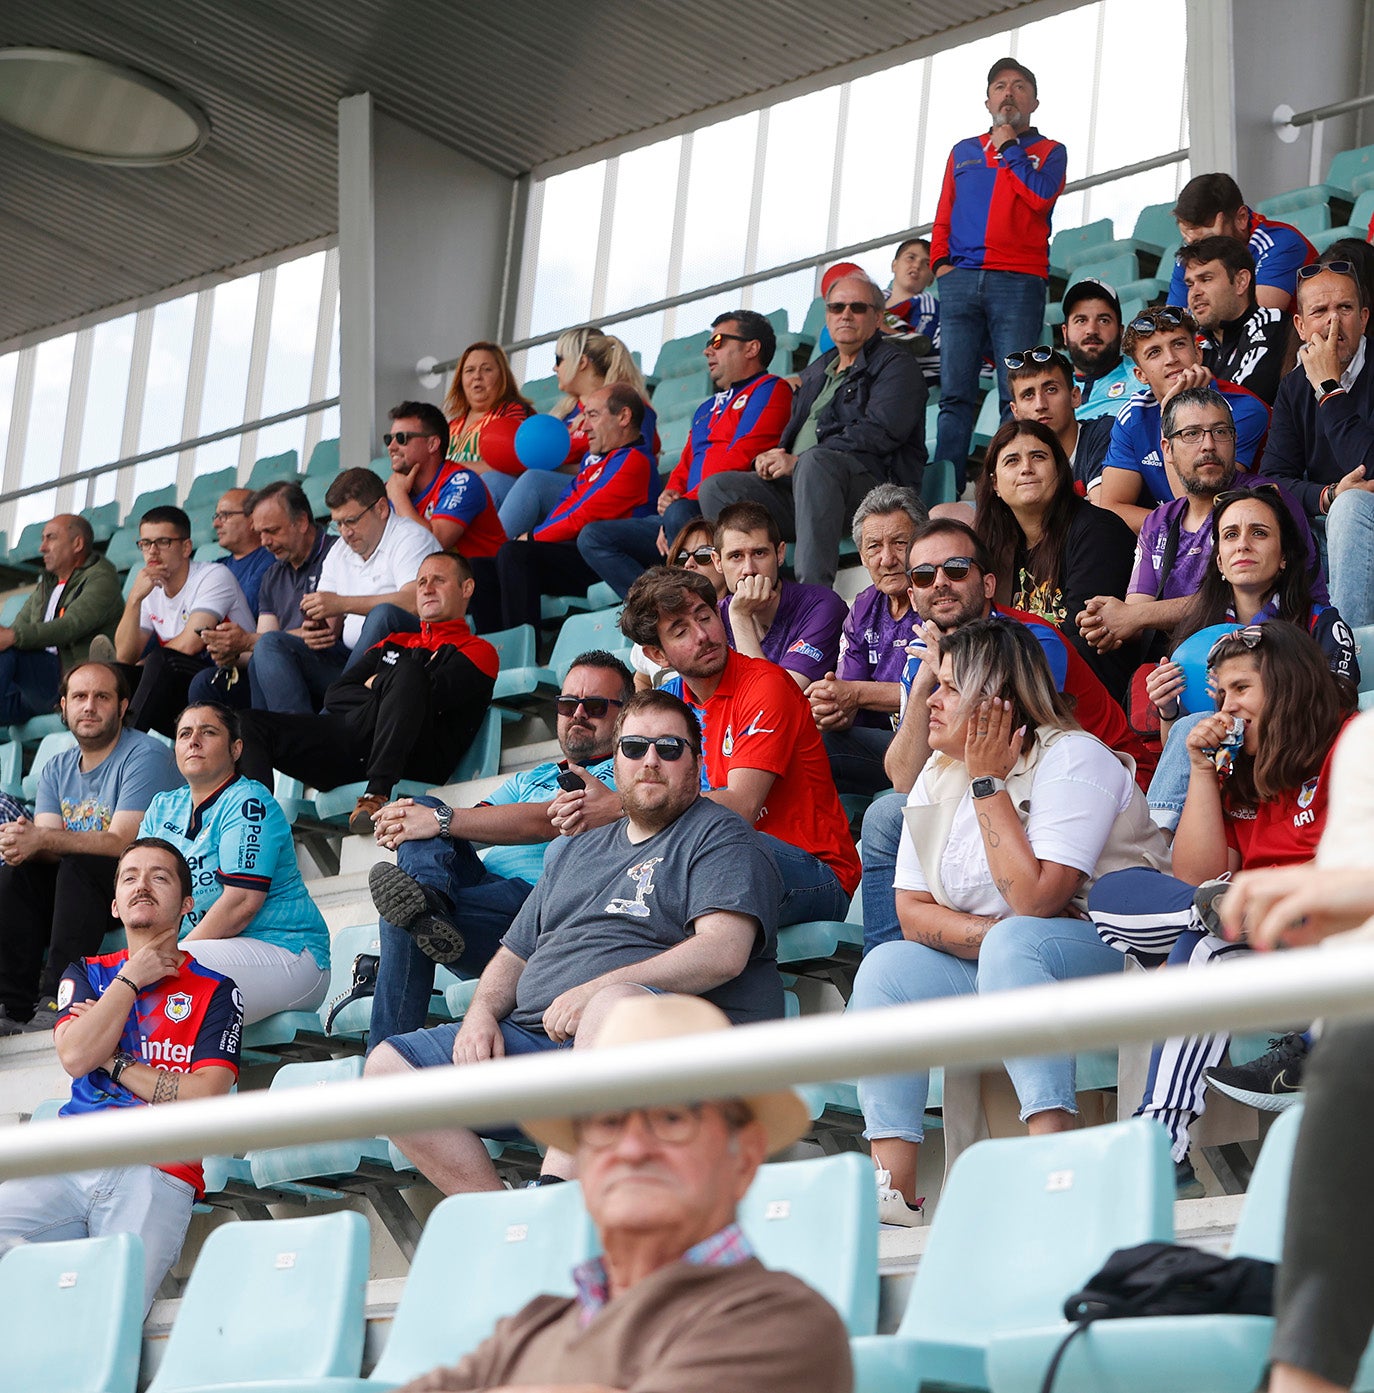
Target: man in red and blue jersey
{"x":745,"y":417}
{"x":145,"y":1026}
{"x":991,"y":250}
{"x":1212,"y":205}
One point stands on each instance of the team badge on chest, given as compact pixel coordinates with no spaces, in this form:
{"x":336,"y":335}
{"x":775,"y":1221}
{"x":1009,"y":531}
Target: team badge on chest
{"x":177,"y":1007}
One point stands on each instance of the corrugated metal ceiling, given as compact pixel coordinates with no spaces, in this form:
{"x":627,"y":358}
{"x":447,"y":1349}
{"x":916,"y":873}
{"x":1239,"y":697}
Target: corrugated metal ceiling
{"x":513,"y":86}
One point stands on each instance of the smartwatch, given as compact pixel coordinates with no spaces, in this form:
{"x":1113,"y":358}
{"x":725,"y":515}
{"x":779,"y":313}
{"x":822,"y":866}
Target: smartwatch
{"x":443,"y":815}
{"x":986,"y":787}
{"x":1330,"y":385}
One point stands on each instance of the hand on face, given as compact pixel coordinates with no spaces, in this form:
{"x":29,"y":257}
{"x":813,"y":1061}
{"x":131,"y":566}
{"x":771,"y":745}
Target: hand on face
{"x":992,"y":744}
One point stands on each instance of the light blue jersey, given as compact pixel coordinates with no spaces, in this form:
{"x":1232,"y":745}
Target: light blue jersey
{"x":240,"y":837}
{"x":538,"y":785}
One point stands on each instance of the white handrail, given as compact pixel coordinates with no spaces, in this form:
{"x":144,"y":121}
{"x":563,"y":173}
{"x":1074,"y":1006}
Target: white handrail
{"x":1258,"y":993}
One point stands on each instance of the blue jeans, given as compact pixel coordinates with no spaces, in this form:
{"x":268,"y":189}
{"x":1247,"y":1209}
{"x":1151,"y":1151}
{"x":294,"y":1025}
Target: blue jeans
{"x":531,"y":499}
{"x":1350,"y":556}
{"x":621,"y":550}
{"x":498,"y":485}
{"x":381,"y":621}
{"x":28,"y":684}
{"x":810,"y":889}
{"x":483,"y":907}
{"x":1005,"y":308}
{"x":882,"y":832}
{"x":1017,"y":952}
{"x":1169,"y":783}
{"x":289,"y":676}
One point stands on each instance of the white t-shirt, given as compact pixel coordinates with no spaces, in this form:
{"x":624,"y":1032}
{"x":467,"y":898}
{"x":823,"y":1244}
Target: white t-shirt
{"x":50,"y":613}
{"x":1079,"y":791}
{"x":395,"y":562}
{"x":210,"y":588}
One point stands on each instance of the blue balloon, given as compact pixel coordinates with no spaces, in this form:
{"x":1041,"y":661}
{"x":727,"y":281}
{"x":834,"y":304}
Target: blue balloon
{"x":542,"y":442}
{"x":1191,"y":656}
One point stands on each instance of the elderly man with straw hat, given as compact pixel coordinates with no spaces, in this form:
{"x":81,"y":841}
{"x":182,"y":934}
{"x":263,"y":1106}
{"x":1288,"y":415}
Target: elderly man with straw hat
{"x":677,"y":1301}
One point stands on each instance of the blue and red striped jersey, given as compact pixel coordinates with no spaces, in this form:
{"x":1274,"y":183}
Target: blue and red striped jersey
{"x":1279,"y":250}
{"x":623,"y":484}
{"x":731,"y":429}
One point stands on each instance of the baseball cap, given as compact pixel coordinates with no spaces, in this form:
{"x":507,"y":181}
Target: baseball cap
{"x":1090,"y":288}
{"x":1003,"y":64}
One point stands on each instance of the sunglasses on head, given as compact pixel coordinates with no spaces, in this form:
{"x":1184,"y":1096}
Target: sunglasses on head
{"x":854,"y":306}
{"x":922,"y":577}
{"x":402,"y":437}
{"x":595,"y":707}
{"x":1341,"y":268}
{"x":1250,"y":636}
{"x":703,"y":556}
{"x":1229,"y":496}
{"x":1167,"y":317}
{"x":1041,"y":353}
{"x":670,"y":747}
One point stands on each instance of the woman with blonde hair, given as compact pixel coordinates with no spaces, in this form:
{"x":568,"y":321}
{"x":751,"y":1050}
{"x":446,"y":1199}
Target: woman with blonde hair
{"x":484,"y":409}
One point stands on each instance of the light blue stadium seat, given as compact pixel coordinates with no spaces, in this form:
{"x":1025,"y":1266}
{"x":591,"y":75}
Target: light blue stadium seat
{"x":1364,"y":648}
{"x":483,"y":756}
{"x":1072,"y":239}
{"x":9,"y":611}
{"x":814,"y":322}
{"x":49,"y":746}
{"x":1356,"y":226}
{"x":1155,"y":227}
{"x":104,"y":520}
{"x":679,"y":356}
{"x":32,"y":731}
{"x":542,"y":393}
{"x":1282,"y":204}
{"x":515,"y":649}
{"x":1081,"y":260}
{"x":151,"y":498}
{"x":71,"y":1315}
{"x":1185,"y":1354}
{"x":324,"y":460}
{"x":818,"y":1219}
{"x":1020,"y":1224}
{"x":938,"y":483}
{"x":829,"y":948}
{"x":270,"y":468}
{"x":210,"y":488}
{"x":1347,"y":167}
{"x":316,"y":486}
{"x":271,"y":1302}
{"x":580,"y":634}
{"x":598,"y":596}
{"x":1310,"y":221}
{"x":122,"y":552}
{"x":680,"y":395}
{"x":672,"y":436}
{"x":1117,"y":270}
{"x":989,"y":418}
{"x":25,"y":548}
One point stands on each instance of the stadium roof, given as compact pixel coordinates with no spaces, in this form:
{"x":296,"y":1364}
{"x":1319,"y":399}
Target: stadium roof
{"x":513,"y":86}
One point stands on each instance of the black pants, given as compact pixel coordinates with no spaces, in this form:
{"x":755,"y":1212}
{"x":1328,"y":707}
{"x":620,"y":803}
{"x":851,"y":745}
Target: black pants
{"x":525,"y":571}
{"x":161,"y":685}
{"x":51,"y":913}
{"x":1325,"y":1296}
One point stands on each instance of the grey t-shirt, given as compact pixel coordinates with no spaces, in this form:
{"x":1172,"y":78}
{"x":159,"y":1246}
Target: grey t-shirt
{"x":124,"y":781}
{"x":604,"y":902}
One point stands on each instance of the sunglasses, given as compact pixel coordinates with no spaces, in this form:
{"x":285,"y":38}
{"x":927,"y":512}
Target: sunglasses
{"x":670,"y":747}
{"x":1250,"y":636}
{"x":703,"y":556}
{"x":403,"y":437}
{"x":854,"y":306}
{"x":595,"y":707}
{"x":1341,"y":268}
{"x":922,"y":577}
{"x":717,"y":339}
{"x":1041,"y":353}
{"x":1167,"y":317}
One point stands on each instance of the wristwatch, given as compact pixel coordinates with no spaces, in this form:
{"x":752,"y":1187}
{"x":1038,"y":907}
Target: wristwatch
{"x":986,"y":787}
{"x":1330,"y":385}
{"x":443,"y":815}
{"x":122,"y":1060}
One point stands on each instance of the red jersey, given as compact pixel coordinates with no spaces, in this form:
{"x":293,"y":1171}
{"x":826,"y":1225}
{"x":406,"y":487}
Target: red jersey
{"x":1285,"y":830}
{"x":460,"y":496}
{"x":495,"y":438}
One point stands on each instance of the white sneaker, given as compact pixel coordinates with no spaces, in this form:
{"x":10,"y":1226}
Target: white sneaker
{"x":892,"y":1204}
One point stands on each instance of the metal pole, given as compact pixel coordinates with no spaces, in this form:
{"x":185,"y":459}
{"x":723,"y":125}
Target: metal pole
{"x":1263,"y":992}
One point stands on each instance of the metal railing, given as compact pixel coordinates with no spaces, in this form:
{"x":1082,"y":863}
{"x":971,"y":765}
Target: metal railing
{"x":1263,"y":992}
{"x":1288,"y":126}
{"x":430,"y":371}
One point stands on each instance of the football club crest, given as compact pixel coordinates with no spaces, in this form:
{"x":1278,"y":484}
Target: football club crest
{"x":1117,"y":389}
{"x":178,"y":1007}
{"x":739,"y":402}
{"x":64,"y":994}
{"x":727,"y":746}
{"x":1308,"y":792}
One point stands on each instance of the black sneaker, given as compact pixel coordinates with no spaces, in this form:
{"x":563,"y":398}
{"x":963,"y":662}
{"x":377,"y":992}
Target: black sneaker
{"x":44,"y":1018}
{"x":8,"y":1025}
{"x":1271,"y":1083}
{"x":402,"y":900}
{"x":1186,"y":1184}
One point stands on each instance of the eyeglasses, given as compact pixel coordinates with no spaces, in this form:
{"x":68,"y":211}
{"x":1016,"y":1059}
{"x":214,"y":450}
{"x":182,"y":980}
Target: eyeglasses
{"x":854,"y":306}
{"x":922,"y":577}
{"x":1190,"y":435}
{"x":717,"y":339}
{"x":404,"y":437}
{"x":147,"y":545}
{"x":224,"y":514}
{"x":1250,"y":636}
{"x":595,"y":707}
{"x":1166,"y":317}
{"x":1041,"y":353}
{"x":703,"y":556}
{"x":348,"y":524}
{"x":673,"y":1126}
{"x":670,"y":748}
{"x":1341,"y":268}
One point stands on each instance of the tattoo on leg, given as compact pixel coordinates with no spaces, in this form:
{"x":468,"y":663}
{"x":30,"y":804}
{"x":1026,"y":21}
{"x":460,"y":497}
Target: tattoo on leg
{"x":167,"y":1087}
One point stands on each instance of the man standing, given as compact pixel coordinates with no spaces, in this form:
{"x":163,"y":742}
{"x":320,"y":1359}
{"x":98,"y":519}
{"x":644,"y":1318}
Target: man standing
{"x":676,"y":1299}
{"x":408,"y":709}
{"x":745,"y":417}
{"x":439,"y":902}
{"x":676,"y":896}
{"x":1042,"y":389}
{"x":144,"y":1026}
{"x":858,"y":420}
{"x":793,"y":625}
{"x":58,"y":874}
{"x":1092,"y":337}
{"x":991,"y":249}
{"x":248,"y":559}
{"x":1246,"y":341}
{"x":76,"y":598}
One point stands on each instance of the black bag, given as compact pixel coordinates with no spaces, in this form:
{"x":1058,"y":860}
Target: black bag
{"x":364,"y":984}
{"x":1166,"y":1279}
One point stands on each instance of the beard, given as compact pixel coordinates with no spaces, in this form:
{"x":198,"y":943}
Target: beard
{"x":1096,"y":359}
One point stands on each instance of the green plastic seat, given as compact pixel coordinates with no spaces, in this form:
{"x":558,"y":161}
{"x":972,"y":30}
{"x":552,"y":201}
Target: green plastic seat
{"x":515,"y":648}
{"x":122,"y":552}
{"x":1020,"y":1224}
{"x":580,"y":634}
{"x":25,"y":548}
{"x":71,"y":1315}
{"x":1282,"y":204}
{"x":989,"y":419}
{"x":152,"y":498}
{"x":682,"y":394}
{"x":939,"y":483}
{"x":679,"y":356}
{"x":271,"y":1303}
{"x":104,"y":520}
{"x":1155,"y":226}
{"x":324,"y":460}
{"x":1348,"y":166}
{"x":542,"y":393}
{"x":210,"y":488}
{"x":9,"y":611}
{"x":1117,"y":270}
{"x":270,"y":468}
{"x":1311,"y":221}
{"x":1071,"y":239}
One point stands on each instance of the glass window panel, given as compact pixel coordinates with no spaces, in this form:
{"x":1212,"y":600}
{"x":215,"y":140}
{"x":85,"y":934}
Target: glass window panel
{"x":1123,"y":199}
{"x":643,"y":336}
{"x":9,"y":368}
{"x":52,"y":378}
{"x":169,"y":356}
{"x":107,"y":393}
{"x":713,"y":245}
{"x":278,"y":439}
{"x":795,"y":210}
{"x":231,"y":341}
{"x":642,"y":227}
{"x":569,"y":227}
{"x":291,"y":342}
{"x":103,"y":488}
{"x":219,"y":454}
{"x":154,"y":474}
{"x":1151,"y":37}
{"x":879,"y":153}
{"x":1058,"y":51}
{"x":35,"y":507}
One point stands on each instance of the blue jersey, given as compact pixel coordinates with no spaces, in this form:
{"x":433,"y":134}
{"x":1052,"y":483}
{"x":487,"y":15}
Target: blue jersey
{"x":239,"y":836}
{"x":1135,"y":443}
{"x":537,"y":785}
{"x":1106,"y":395}
{"x":1279,"y":250}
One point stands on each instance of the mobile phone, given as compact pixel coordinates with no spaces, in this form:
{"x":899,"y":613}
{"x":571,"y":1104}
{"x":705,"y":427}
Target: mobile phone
{"x":570,"y":782}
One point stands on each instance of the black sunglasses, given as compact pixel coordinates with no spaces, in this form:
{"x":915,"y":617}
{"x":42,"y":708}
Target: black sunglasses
{"x":1166,"y":317}
{"x":1250,"y":636}
{"x":670,"y":747}
{"x":1341,"y":268}
{"x":922,"y":577}
{"x":401,"y":437}
{"x":595,"y":707}
{"x":1041,"y":353}
{"x":719,"y":338}
{"x":703,"y":556}
{"x":855,"y":306}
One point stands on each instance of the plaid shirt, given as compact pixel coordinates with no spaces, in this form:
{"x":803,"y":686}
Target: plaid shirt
{"x":726,"y":1248}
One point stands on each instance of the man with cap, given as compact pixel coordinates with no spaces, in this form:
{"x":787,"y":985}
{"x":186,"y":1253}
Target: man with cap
{"x":677,"y":1299}
{"x":991,"y":249}
{"x":1092,"y":339}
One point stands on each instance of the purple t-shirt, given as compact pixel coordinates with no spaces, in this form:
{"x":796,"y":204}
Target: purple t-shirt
{"x":1195,"y":548}
{"x":804,"y":636}
{"x":874,"y":646}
